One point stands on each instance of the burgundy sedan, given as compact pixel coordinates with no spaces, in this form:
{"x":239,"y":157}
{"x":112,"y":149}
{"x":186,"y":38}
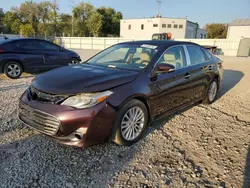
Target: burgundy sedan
{"x":115,"y":94}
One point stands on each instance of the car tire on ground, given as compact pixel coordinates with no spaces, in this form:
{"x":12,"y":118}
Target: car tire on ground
{"x":211,"y":92}
{"x":13,"y":69}
{"x":130,"y":124}
{"x":74,"y":61}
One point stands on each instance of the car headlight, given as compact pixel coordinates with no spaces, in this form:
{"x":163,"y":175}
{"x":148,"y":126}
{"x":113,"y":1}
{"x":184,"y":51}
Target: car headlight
{"x":86,"y":100}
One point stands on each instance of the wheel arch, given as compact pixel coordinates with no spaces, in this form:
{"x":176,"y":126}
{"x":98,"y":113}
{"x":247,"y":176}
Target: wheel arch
{"x":15,"y":60}
{"x":139,"y":97}
{"x":217,"y":77}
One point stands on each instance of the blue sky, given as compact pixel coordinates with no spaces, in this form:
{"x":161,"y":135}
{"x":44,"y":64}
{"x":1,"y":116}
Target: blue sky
{"x":201,"y":11}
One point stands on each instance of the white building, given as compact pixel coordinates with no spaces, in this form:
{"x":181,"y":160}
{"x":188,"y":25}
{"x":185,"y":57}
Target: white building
{"x":146,"y":27}
{"x":238,"y":29}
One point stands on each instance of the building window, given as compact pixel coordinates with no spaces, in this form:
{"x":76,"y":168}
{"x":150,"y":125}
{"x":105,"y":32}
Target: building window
{"x":169,"y":25}
{"x":164,"y":25}
{"x":129,"y":27}
{"x":155,"y":25}
{"x":180,"y":26}
{"x":175,"y":26}
{"x":142,"y":26}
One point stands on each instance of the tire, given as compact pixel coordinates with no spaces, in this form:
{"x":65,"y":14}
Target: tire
{"x":138,"y":127}
{"x":74,"y":61}
{"x":211,"y":92}
{"x":13,"y":69}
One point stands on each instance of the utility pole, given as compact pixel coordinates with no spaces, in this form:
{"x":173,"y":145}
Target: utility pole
{"x":72,"y":5}
{"x":159,"y":8}
{"x":55,"y":15}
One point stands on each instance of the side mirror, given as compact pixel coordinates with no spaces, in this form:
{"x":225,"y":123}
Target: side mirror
{"x":164,"y":68}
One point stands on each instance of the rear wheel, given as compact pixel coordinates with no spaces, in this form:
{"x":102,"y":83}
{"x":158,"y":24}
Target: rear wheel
{"x":74,"y":61}
{"x":212,"y":92}
{"x":13,"y":70}
{"x":131,"y":123}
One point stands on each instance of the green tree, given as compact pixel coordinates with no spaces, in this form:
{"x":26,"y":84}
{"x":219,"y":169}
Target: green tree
{"x":1,"y":21}
{"x":65,"y":24}
{"x":43,"y":13}
{"x":94,"y":24}
{"x":53,"y":16}
{"x":28,"y":12}
{"x":216,"y":31}
{"x":27,"y":30}
{"x":81,"y":13}
{"x":110,"y":21}
{"x":12,"y":22}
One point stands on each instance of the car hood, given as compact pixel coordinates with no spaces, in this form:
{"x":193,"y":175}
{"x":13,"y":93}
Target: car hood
{"x":82,"y":78}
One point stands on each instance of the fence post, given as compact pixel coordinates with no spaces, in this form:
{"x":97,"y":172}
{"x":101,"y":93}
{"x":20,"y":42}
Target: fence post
{"x":80,"y":42}
{"x":92,"y":43}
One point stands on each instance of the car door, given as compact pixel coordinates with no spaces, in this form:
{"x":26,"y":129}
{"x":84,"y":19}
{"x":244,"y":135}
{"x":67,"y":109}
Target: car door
{"x":200,"y":70}
{"x":27,"y":50}
{"x":169,"y":90}
{"x":54,"y":56}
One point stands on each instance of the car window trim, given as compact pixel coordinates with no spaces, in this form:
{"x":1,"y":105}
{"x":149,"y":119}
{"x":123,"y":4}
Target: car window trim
{"x":150,"y":74}
{"x":187,"y":56}
{"x":201,"y":51}
{"x":49,"y":43}
{"x":26,"y":40}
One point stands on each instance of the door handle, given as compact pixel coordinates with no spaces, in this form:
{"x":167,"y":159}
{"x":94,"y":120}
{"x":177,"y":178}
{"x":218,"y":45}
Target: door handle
{"x":187,"y":76}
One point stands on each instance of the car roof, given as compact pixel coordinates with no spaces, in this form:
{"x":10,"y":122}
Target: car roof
{"x":165,"y":43}
{"x":19,"y":39}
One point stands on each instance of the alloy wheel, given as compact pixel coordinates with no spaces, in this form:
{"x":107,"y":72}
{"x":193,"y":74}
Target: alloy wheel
{"x":73,"y":62}
{"x":212,"y":91}
{"x":13,"y":70}
{"x":132,"y":123}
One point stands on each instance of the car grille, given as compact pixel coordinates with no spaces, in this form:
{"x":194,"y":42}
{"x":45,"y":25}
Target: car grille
{"x":39,"y":120}
{"x":45,"y":97}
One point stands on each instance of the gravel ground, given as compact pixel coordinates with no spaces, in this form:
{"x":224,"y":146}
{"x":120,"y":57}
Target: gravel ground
{"x":203,"y":146}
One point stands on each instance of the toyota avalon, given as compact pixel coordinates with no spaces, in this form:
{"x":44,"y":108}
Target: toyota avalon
{"x":118,"y":92}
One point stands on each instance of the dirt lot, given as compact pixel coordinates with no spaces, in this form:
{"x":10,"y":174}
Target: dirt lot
{"x":204,"y":146}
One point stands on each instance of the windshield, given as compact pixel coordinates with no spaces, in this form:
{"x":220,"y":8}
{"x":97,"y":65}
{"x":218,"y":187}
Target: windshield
{"x":125,"y":56}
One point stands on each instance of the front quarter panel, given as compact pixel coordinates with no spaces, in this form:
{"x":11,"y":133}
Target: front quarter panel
{"x":139,"y":88}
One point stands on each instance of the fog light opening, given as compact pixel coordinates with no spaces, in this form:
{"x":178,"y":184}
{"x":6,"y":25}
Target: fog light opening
{"x":79,"y":136}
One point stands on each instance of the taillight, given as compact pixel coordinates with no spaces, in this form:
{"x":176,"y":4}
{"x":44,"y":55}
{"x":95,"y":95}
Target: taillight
{"x":2,"y":51}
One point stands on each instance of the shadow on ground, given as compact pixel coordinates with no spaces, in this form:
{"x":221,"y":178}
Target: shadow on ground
{"x":230,"y":79}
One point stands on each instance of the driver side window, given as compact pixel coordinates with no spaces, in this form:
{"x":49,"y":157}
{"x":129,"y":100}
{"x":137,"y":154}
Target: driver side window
{"x":175,"y":56}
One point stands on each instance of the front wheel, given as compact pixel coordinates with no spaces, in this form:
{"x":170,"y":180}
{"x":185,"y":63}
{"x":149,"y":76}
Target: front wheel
{"x":74,"y":61}
{"x":212,"y":92}
{"x":131,"y":122}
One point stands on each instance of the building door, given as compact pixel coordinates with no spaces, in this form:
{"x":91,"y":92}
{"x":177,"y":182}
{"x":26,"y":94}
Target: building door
{"x":244,"y":48}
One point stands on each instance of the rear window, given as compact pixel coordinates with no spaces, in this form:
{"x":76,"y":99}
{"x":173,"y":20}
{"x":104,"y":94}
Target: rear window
{"x":196,"y":55}
{"x":7,"y":44}
{"x":208,"y":55}
{"x":28,"y":44}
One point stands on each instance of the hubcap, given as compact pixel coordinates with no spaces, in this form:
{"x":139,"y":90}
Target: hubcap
{"x":73,"y":61}
{"x":132,"y":123}
{"x":212,"y":91}
{"x":13,"y":70}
